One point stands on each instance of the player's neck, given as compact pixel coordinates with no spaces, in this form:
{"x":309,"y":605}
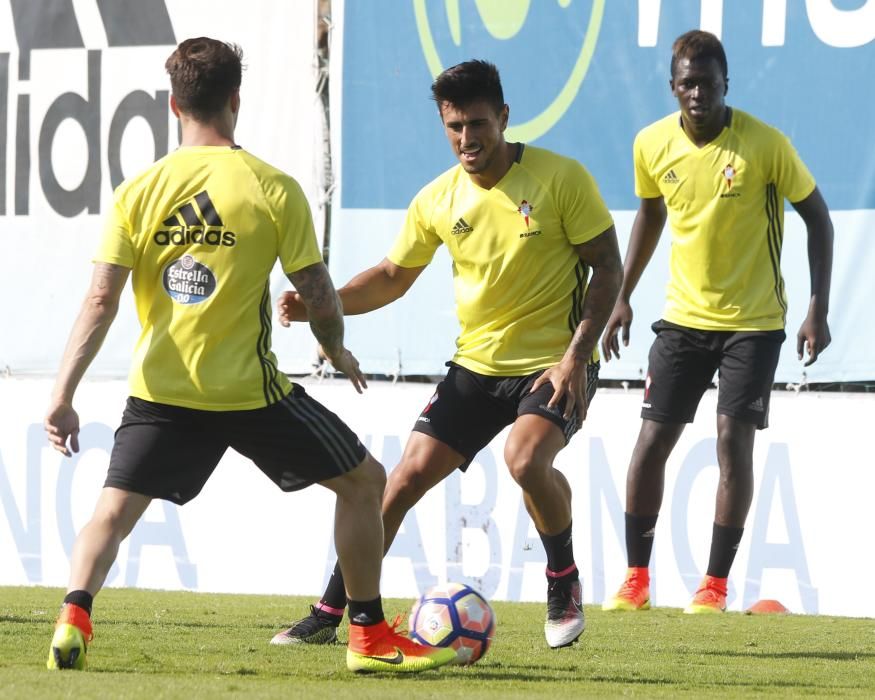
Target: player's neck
{"x":195,"y":133}
{"x":505,"y":157}
{"x":706,"y":133}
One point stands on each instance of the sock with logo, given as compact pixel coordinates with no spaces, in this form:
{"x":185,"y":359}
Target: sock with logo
{"x":724,"y":545}
{"x":81,"y":598}
{"x":639,"y":539}
{"x":333,"y":600}
{"x":366,"y":613}
{"x":560,"y":554}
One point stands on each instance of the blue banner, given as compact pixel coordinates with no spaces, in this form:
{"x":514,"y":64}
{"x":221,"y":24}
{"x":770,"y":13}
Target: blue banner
{"x":583,"y":76}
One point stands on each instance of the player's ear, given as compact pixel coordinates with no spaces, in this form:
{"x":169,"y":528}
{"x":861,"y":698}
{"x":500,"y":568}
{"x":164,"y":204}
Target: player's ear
{"x":503,"y":116}
{"x":173,"y":106}
{"x":725,"y":86}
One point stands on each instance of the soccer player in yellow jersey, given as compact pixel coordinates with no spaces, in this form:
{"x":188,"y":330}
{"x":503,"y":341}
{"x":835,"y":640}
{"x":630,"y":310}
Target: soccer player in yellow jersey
{"x":721,"y":177}
{"x":524,"y":227}
{"x":201,"y":230}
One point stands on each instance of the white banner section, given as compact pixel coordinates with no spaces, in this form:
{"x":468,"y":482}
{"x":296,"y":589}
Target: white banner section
{"x":84,"y":103}
{"x":813,"y":471}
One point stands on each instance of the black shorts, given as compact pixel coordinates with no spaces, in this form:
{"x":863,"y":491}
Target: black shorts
{"x":468,"y":409}
{"x":169,"y":452}
{"x":681,"y":367}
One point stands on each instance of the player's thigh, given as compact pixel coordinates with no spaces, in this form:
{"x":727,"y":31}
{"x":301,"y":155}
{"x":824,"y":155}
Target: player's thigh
{"x":163,"y":451}
{"x":536,"y":403}
{"x":296,"y":441}
{"x":680,"y":367}
{"x":463,"y":415}
{"x":747,"y":372}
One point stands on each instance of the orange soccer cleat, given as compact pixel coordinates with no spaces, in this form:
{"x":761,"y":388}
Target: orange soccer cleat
{"x":380,"y":649}
{"x":634,"y":594}
{"x":710,"y":598}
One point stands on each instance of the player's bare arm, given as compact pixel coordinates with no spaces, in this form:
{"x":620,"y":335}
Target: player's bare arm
{"x":814,"y":333}
{"x":569,"y":377}
{"x":375,"y":287}
{"x":317,"y":294}
{"x":646,"y":230}
{"x":89,"y":330}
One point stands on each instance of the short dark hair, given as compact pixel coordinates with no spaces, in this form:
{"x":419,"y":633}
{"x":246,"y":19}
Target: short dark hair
{"x":204,"y":73}
{"x":698,"y":45}
{"x":466,"y":82}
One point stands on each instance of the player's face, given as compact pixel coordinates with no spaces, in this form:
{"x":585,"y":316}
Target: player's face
{"x":476,"y":134}
{"x":700,"y":89}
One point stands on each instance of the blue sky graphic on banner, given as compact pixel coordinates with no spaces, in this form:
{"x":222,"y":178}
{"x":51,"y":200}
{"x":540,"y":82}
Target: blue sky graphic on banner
{"x":583,"y":76}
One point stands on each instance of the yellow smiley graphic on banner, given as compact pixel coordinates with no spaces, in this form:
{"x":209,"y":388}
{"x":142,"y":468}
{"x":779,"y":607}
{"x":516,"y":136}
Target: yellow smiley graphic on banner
{"x":504,"y":19}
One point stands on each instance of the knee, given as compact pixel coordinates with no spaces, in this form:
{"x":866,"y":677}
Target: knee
{"x":407,"y":484}
{"x":367,"y":481}
{"x":524,"y":465}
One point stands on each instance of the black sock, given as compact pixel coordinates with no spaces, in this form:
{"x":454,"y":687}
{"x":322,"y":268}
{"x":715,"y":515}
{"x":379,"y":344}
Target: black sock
{"x":81,"y":598}
{"x":724,"y":546}
{"x":366,"y":613}
{"x":335,"y":592}
{"x":640,"y":530}
{"x":560,"y":550}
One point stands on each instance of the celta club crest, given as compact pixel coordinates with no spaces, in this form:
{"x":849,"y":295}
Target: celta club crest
{"x":729,"y":173}
{"x":525,"y":209}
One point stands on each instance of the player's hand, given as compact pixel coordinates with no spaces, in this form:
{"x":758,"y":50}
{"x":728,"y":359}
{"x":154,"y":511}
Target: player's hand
{"x":344,"y":361}
{"x":290,"y":308}
{"x":61,"y":423}
{"x":813,"y":336}
{"x":569,"y":380}
{"x":621,"y":319}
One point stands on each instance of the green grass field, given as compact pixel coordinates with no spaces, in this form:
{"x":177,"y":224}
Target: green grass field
{"x":157,"y":644}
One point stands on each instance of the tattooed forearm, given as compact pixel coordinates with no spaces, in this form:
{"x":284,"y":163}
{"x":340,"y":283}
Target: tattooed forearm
{"x":324,"y":310}
{"x":602,"y":254}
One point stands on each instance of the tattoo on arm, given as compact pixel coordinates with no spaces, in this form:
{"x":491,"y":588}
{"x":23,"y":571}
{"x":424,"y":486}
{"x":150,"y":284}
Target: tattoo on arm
{"x":602,"y":254}
{"x":324,"y":310}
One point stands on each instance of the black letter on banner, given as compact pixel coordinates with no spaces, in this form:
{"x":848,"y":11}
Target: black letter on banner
{"x":43,"y":24}
{"x":136,"y":22}
{"x":22,"y":156}
{"x":71,"y":105}
{"x":4,"y":109}
{"x":137,"y":104}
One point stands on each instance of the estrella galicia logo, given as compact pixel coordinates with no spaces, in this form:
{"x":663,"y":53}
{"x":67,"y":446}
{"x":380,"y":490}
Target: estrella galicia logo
{"x":187,"y":281}
{"x":200,"y":224}
{"x":509,"y":33}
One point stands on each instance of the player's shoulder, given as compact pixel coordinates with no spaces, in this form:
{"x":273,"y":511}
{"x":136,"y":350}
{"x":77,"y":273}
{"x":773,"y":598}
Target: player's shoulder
{"x":440,"y":187}
{"x":749,"y":127}
{"x":660,"y":131}
{"x":545,"y":162}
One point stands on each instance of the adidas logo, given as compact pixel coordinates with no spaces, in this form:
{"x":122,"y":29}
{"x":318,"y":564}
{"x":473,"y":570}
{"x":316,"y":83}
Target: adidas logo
{"x":461,"y":226}
{"x":195,"y":225}
{"x":757,"y":405}
{"x":671,"y":178}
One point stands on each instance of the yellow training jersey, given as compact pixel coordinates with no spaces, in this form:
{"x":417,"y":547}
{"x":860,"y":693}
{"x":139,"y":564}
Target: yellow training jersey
{"x":201,"y":229}
{"x":725,"y":205}
{"x":519,"y":283}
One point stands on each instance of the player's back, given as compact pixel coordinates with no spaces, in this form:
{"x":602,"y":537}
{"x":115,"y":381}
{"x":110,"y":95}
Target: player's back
{"x":202,"y":229}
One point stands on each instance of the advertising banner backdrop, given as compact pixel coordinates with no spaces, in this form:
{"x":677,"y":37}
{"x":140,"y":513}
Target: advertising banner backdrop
{"x":582,"y":77}
{"x":243,"y":535}
{"x":84,"y":104}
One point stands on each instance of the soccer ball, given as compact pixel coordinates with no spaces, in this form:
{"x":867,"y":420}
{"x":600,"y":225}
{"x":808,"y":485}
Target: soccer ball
{"x":453,"y":616}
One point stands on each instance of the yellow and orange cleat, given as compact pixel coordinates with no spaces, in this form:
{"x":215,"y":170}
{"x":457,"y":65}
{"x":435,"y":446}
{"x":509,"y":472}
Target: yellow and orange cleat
{"x":70,"y":640}
{"x":634,"y":594}
{"x":380,"y":649}
{"x":710,"y":598}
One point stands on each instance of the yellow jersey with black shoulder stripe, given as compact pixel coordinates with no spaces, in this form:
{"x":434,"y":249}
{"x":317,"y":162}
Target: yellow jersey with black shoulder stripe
{"x":201,"y":230}
{"x":518,"y":281}
{"x":725,"y":205}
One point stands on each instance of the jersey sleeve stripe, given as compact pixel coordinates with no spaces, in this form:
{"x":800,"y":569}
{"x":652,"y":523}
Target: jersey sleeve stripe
{"x":775,"y":240}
